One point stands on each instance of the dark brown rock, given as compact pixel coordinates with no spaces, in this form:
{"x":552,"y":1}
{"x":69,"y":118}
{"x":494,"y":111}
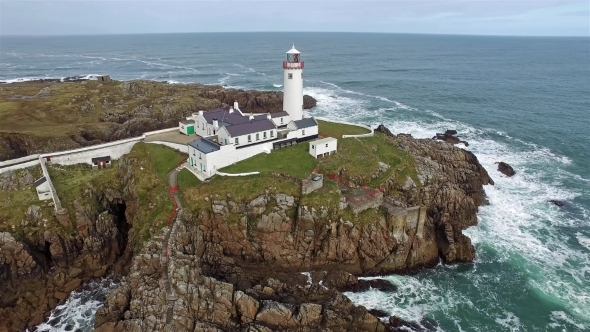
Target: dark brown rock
{"x":506,"y":169}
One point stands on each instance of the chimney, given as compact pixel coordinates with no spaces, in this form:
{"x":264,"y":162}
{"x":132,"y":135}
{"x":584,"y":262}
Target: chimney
{"x":201,"y":113}
{"x":251,"y":116}
{"x":236,"y":105}
{"x":231,"y":110}
{"x":268,"y":116}
{"x":215,"y":123}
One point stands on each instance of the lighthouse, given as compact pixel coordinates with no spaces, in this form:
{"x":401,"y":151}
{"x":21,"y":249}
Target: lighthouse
{"x":293,"y":85}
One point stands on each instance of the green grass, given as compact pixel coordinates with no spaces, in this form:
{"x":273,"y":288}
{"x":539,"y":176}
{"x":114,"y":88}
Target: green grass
{"x":294,"y":160}
{"x":337,"y":129}
{"x":70,"y":180}
{"x":359,"y":158}
{"x":186,"y":179}
{"x":327,"y":196}
{"x":241,"y":189}
{"x":163,"y":158}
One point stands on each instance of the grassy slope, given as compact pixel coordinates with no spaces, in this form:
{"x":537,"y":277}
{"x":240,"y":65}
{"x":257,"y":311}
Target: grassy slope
{"x":150,"y":174}
{"x":358,"y":157}
{"x":14,"y":204}
{"x":61,"y":112}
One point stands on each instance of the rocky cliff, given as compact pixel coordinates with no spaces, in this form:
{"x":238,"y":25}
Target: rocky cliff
{"x":44,"y":256}
{"x":244,"y":265}
{"x":43,"y":116}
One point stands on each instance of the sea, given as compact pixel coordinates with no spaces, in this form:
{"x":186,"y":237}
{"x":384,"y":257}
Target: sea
{"x":521,"y":100}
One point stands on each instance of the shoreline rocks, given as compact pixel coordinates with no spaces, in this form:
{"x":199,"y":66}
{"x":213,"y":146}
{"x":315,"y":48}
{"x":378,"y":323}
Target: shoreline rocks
{"x":506,"y":169}
{"x":449,"y":137}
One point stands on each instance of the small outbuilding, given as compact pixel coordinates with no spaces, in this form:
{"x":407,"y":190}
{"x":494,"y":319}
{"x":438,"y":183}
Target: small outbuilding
{"x":103,"y":78}
{"x":323,"y":147}
{"x":101,"y":162}
{"x":187,"y":127}
{"x":43,"y":190}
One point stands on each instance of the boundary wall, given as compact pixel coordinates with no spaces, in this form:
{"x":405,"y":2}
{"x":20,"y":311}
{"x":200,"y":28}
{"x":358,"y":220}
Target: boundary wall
{"x":175,"y":146}
{"x":114,"y":149}
{"x":372,"y":132}
{"x":237,"y":174}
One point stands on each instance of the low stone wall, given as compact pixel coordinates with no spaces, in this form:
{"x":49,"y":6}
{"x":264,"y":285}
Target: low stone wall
{"x":21,"y":165}
{"x":237,"y":174}
{"x":84,"y":155}
{"x":176,"y":146}
{"x":149,"y":133}
{"x":309,"y":186}
{"x":53,"y":193}
{"x":372,"y":133}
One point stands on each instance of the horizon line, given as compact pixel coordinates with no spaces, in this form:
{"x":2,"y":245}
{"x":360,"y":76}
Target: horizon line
{"x":260,"y":31}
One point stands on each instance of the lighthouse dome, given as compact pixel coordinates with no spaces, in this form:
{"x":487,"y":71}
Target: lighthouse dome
{"x":293,"y":51}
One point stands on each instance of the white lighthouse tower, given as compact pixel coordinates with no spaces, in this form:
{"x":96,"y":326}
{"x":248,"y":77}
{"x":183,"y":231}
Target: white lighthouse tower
{"x":293,"y":85}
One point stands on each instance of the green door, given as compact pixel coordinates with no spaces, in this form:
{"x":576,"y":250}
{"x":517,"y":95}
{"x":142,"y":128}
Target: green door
{"x":191,"y":161}
{"x":201,"y":167}
{"x":190,"y":130}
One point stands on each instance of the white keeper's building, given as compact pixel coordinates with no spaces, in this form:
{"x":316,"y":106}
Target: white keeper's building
{"x":229,"y":135}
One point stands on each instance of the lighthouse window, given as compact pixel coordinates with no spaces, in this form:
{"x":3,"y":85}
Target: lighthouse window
{"x":290,"y":75}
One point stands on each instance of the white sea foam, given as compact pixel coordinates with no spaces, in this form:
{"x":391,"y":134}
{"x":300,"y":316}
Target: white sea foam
{"x":518,"y":224}
{"x":277,"y":85}
{"x":77,"y":312}
{"x":509,"y":321}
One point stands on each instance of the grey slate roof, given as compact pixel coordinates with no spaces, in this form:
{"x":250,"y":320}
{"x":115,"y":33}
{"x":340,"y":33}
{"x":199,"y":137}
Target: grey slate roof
{"x":40,"y":181}
{"x":204,"y":145}
{"x":250,"y":127}
{"x":187,"y":122}
{"x":223,"y":115}
{"x":305,"y":123}
{"x":279,"y":114}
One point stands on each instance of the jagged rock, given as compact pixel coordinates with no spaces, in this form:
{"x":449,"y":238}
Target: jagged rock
{"x":246,"y":306}
{"x":363,"y":285}
{"x":506,"y":169}
{"x":449,"y":137}
{"x":557,"y":202}
{"x":275,"y":314}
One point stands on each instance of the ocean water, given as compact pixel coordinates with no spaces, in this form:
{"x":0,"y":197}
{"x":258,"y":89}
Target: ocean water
{"x":525,"y":101}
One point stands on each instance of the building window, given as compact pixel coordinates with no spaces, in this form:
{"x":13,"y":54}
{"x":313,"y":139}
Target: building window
{"x":249,"y":138}
{"x":313,"y":147}
{"x":272,"y":133}
{"x":290,"y":75}
{"x":257,"y":136}
{"x":237,"y":141}
{"x":281,"y":120}
{"x":264,"y":135}
{"x":303,"y":132}
{"x":326,"y":144}
{"x":200,"y":155}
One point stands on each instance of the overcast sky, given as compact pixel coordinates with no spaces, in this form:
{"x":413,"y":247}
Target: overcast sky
{"x":505,"y":17}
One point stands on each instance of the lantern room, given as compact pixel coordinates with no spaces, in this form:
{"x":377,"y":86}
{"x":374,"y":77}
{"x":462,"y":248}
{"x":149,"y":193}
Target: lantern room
{"x":293,"y":59}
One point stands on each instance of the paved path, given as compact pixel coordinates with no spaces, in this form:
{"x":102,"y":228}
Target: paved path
{"x":167,"y":254}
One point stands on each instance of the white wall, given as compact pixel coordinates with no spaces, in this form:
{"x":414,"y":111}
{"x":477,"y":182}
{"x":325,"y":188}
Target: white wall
{"x":20,"y":166}
{"x":228,"y":155}
{"x":176,"y":146}
{"x":84,"y":155}
{"x":371,"y":133}
{"x":293,"y":93}
{"x":200,"y":120}
{"x":277,"y":120}
{"x":19,"y":160}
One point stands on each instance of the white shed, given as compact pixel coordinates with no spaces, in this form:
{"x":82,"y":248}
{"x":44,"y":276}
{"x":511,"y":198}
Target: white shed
{"x":43,"y":190}
{"x":187,"y":127}
{"x":323,"y":147}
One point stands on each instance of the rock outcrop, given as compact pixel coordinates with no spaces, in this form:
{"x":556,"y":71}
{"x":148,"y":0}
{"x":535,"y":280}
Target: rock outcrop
{"x":449,"y":137}
{"x":506,"y":169}
{"x":241,"y":265}
{"x":111,"y":111}
{"x":42,"y":262}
